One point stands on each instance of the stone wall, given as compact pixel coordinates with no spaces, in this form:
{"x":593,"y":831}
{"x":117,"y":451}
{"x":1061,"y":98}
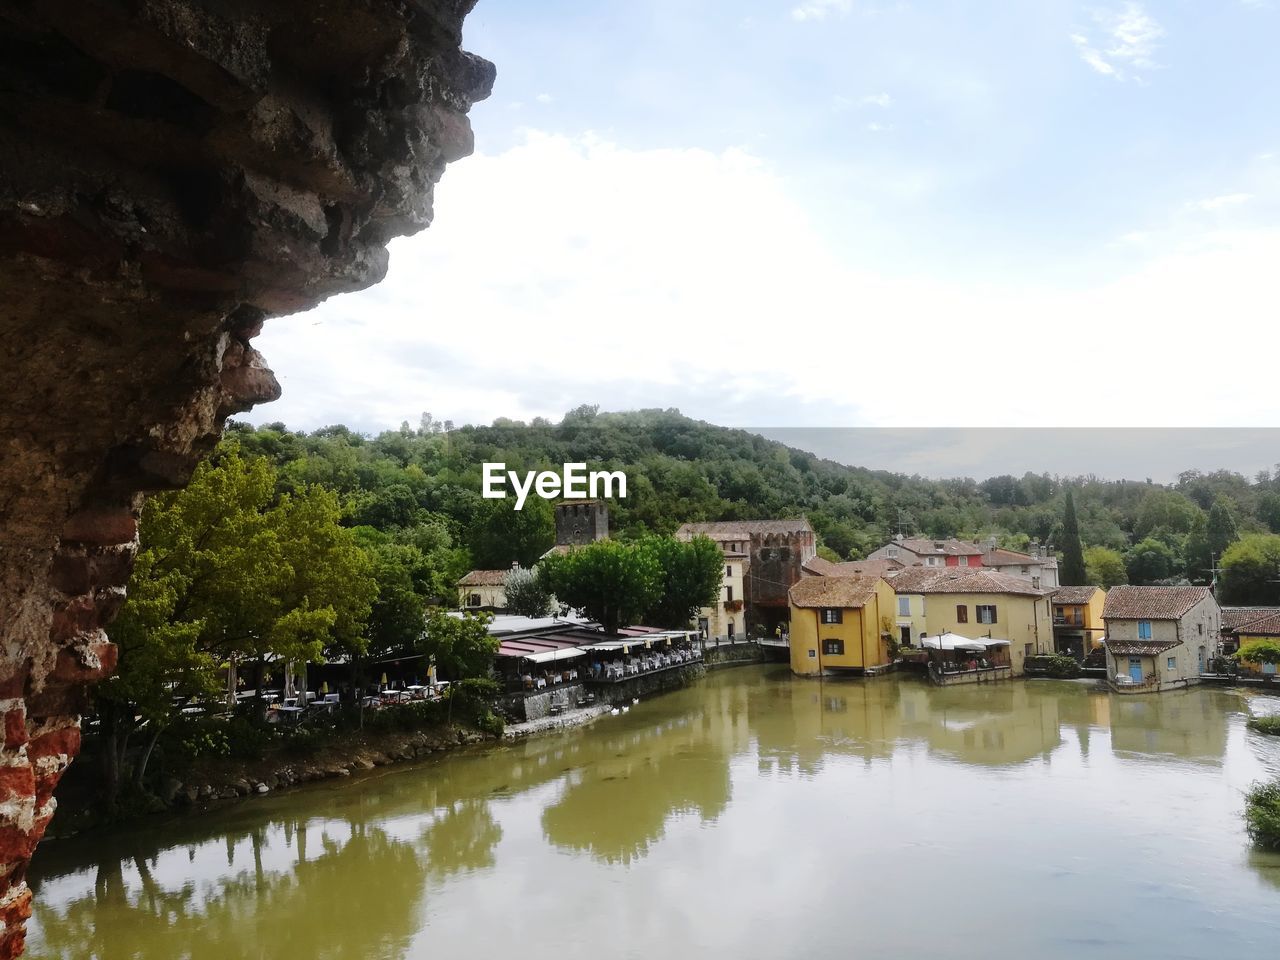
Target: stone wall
{"x":172,"y":172}
{"x":733,"y":654}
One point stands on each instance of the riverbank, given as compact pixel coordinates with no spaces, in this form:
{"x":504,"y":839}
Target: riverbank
{"x":212,"y":783}
{"x":208,"y":784}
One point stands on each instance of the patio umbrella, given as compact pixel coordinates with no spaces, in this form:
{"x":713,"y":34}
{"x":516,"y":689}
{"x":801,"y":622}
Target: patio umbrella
{"x":384,"y":678}
{"x":324,"y":688}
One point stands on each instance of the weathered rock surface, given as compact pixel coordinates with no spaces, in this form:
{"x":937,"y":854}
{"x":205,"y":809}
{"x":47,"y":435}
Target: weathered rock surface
{"x":172,"y":172}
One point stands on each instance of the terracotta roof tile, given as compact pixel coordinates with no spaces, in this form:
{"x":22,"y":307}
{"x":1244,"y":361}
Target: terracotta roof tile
{"x":1151,"y":603}
{"x":1074,"y":595}
{"x":1264,"y":627}
{"x":961,"y":580}
{"x":833,"y":591}
{"x":483,"y":578}
{"x":851,"y":568}
{"x":1141,"y":648}
{"x":949,"y":547}
{"x":1233,"y":618}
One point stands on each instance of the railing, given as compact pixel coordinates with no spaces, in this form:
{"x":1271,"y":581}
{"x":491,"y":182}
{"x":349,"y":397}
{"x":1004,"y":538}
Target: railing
{"x":1129,"y":685}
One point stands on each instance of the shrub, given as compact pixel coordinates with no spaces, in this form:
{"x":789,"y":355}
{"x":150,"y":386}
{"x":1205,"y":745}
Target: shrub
{"x":1262,"y":814}
{"x":1269,"y":725}
{"x":1062,"y":666}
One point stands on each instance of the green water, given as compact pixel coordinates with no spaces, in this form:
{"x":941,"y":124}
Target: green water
{"x":753,"y":815}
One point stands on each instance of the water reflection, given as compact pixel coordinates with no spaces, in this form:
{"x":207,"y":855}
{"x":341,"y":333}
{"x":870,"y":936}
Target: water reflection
{"x":692,"y":792}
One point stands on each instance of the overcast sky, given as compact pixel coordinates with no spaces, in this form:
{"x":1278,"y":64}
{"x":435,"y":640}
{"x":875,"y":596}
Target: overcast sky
{"x":830,"y":213}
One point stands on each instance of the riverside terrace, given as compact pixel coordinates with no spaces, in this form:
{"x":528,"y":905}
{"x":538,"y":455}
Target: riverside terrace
{"x":547,"y":666}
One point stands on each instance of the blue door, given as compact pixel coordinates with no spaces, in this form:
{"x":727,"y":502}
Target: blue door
{"x":1135,"y":669}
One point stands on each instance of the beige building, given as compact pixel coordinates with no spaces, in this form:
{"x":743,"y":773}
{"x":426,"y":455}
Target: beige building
{"x":483,"y":590}
{"x":1159,"y":638}
{"x":975,"y":603}
{"x":727,"y":619}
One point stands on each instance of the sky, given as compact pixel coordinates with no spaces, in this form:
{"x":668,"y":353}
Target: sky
{"x":780,"y":214}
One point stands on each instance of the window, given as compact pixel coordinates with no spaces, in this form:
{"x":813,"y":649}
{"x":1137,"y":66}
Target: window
{"x":962,"y":613}
{"x":473,"y":600}
{"x":1201,"y":626}
{"x":986,"y":613}
{"x":906,"y":636}
{"x":933,"y":561}
{"x":728,"y":571}
{"x":1173,"y":663}
{"x":830,"y":615}
{"x":833,"y":648}
{"x":1144,"y":629}
{"x":892,"y":552}
{"x":964,"y":561}
{"x":731,"y":629}
{"x":812,"y":653}
{"x":728,"y":594}
{"x":904,"y":606}
{"x":1035,"y":582}
{"x":1027,"y":650}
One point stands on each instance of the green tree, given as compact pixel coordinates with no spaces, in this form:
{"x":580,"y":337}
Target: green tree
{"x":1196,"y":555}
{"x":1269,"y":511}
{"x":692,"y":577}
{"x":227,"y":571}
{"x":1073,"y":567}
{"x":1250,"y":569}
{"x":459,"y":644}
{"x":1149,"y":561}
{"x":527,"y":593}
{"x":1104,"y":567}
{"x":1165,"y":509}
{"x":1222,"y":526}
{"x":614,"y":583}
{"x":501,"y":535}
{"x":1262,"y":650}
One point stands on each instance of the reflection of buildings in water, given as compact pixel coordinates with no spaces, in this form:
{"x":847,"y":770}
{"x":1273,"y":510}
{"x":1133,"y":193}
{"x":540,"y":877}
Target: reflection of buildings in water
{"x":1083,"y":708}
{"x":616,"y":807}
{"x":798,"y":724}
{"x":990,"y":725}
{"x":1186,"y":724}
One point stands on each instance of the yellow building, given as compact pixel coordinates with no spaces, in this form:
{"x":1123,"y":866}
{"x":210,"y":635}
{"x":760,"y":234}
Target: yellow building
{"x":1077,"y":620}
{"x":1266,"y":628}
{"x":839,"y":624}
{"x":978,"y":604}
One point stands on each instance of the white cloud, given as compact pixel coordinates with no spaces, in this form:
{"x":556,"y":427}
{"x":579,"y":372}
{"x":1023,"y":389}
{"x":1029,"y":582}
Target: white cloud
{"x":876,"y":127}
{"x":1122,"y":42}
{"x":543,"y":98}
{"x":821,"y":9}
{"x":877,"y":100}
{"x":1212,"y":204}
{"x":572,"y":270}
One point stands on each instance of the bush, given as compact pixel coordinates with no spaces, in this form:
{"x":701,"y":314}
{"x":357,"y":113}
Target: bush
{"x":1062,"y":666}
{"x":1262,"y":814}
{"x":1269,"y":725}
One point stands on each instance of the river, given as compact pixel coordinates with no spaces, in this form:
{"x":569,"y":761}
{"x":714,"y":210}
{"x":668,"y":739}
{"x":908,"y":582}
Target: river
{"x":751,"y":815}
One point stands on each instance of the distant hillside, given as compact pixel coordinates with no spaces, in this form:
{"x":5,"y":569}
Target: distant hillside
{"x":681,"y":469}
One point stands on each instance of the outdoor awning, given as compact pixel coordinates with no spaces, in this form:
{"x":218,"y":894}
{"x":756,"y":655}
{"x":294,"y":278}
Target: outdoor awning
{"x":953,"y":641}
{"x":546,"y":656}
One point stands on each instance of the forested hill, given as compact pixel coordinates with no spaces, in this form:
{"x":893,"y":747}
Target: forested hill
{"x":679,"y":469}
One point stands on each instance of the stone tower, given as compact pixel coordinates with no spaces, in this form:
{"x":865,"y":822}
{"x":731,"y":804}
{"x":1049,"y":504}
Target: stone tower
{"x":580,"y":522}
